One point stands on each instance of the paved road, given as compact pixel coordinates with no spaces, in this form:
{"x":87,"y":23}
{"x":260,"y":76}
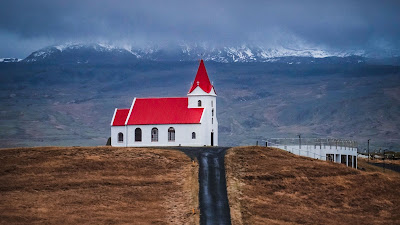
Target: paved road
{"x":213,"y":198}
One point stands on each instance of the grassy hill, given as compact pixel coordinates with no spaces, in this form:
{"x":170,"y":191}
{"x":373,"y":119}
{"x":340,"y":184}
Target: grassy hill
{"x":97,"y":185}
{"x":108,"y":185}
{"x":271,"y":186}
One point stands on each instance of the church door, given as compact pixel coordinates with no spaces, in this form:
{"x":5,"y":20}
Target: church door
{"x":212,"y":138}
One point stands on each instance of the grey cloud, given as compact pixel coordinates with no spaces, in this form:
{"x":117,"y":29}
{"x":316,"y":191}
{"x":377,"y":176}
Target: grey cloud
{"x":331,"y":24}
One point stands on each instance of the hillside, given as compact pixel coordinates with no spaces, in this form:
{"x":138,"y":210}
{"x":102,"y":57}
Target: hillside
{"x":97,"y":185}
{"x":108,"y":185}
{"x":271,"y":186}
{"x":65,"y":105}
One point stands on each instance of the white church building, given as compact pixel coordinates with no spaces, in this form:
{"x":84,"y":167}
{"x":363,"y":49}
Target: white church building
{"x":180,"y":121}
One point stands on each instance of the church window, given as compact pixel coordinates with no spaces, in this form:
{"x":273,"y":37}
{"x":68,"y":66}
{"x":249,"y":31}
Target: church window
{"x":193,"y":135}
{"x":212,"y":120}
{"x":171,"y":134}
{"x":212,"y":104}
{"x":138,"y":134}
{"x":199,"y":103}
{"x":120,"y":137}
{"x":154,"y":134}
{"x":212,"y":112}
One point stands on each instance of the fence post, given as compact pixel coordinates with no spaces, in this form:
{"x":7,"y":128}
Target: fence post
{"x":266,"y":144}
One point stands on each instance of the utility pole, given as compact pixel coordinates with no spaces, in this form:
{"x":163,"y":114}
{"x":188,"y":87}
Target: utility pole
{"x":368,"y":149}
{"x":384,"y":165}
{"x":299,"y":141}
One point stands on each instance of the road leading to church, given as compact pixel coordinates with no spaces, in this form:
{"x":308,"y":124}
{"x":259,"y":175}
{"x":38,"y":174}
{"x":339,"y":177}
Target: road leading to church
{"x":213,"y":198}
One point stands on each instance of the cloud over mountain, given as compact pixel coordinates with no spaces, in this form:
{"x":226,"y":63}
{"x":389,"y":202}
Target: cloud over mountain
{"x":353,"y":25}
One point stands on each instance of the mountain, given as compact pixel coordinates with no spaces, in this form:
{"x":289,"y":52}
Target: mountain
{"x":102,"y":53}
{"x":72,"y":104}
{"x":79,"y":53}
{"x":8,"y":60}
{"x":66,"y":94}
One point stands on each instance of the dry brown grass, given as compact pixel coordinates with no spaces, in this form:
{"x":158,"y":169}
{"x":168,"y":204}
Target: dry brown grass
{"x":271,"y":186}
{"x":368,"y":167}
{"x":97,"y":185}
{"x":387,"y":161}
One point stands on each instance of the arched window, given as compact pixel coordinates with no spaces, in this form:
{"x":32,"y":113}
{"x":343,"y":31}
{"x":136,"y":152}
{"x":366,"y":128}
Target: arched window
{"x":120,"y":137}
{"x":138,"y":134}
{"x":199,"y":103}
{"x":171,"y":134}
{"x":212,"y":112}
{"x":154,"y":134}
{"x":193,"y":135}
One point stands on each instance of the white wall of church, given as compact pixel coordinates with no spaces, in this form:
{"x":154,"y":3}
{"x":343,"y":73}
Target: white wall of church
{"x":114,"y":136}
{"x":210,"y":124}
{"x":215,"y":131}
{"x":199,"y":94}
{"x":209,"y":119}
{"x":183,"y":135}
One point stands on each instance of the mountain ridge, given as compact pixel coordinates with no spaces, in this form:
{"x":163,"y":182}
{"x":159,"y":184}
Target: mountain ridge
{"x":98,"y":52}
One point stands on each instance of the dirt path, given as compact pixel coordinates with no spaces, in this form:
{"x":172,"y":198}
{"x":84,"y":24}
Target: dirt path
{"x":213,"y":198}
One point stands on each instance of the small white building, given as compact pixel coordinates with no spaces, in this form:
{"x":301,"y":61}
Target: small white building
{"x":334,"y":150}
{"x":182,"y":121}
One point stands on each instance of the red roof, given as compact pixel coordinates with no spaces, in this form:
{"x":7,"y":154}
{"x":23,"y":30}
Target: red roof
{"x":163,"y":111}
{"x":202,"y":79}
{"x":120,"y":117}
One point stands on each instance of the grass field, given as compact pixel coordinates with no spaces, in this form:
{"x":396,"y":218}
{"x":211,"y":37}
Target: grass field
{"x":108,"y":185}
{"x":97,"y":185}
{"x":271,"y":186}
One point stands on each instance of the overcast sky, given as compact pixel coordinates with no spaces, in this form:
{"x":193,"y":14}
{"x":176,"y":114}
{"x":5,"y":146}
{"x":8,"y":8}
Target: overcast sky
{"x":27,"y":25}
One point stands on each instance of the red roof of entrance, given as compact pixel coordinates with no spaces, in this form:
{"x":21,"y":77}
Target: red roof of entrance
{"x":120,"y":117}
{"x":202,"y":79}
{"x":163,"y":111}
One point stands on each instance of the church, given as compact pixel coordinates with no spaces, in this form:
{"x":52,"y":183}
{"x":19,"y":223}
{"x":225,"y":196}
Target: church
{"x":178,"y":121}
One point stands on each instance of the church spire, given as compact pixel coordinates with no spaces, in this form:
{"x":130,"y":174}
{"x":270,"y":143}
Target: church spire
{"x":202,"y":79}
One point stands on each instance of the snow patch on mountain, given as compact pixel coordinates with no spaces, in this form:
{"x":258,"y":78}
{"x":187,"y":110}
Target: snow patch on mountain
{"x":8,"y":60}
{"x":68,"y":46}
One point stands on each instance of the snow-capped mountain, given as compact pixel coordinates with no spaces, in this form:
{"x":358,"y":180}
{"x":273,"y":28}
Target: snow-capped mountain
{"x":80,"y":53}
{"x":257,"y":54}
{"x":93,"y":53}
{"x":7,"y":60}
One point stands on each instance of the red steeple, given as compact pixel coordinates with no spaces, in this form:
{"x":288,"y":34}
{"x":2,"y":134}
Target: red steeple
{"x":201,"y":79}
